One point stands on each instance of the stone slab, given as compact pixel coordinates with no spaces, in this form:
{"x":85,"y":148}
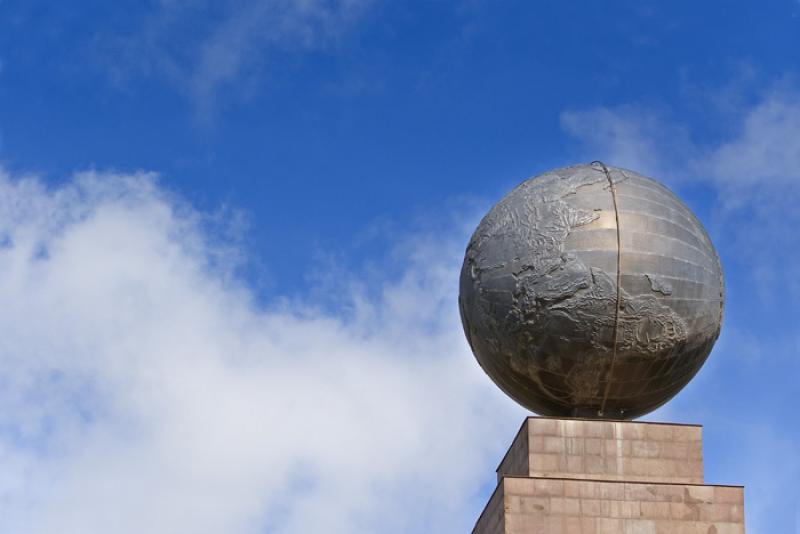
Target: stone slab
{"x":584,"y":476}
{"x":605,"y":450}
{"x":571,"y":506}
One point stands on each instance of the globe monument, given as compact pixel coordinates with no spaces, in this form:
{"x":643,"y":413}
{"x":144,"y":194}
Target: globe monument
{"x":591,"y":295}
{"x":591,"y":291}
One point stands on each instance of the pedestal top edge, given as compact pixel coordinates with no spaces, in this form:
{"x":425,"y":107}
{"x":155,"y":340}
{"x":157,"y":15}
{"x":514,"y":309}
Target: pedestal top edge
{"x":605,"y":481}
{"x":527,"y":418}
{"x":610,"y":421}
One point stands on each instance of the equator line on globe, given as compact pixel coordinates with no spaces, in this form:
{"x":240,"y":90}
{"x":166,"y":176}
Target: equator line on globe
{"x":591,"y":291}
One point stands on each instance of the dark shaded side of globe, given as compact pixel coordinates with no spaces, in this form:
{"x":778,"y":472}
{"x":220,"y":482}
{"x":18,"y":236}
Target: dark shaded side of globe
{"x":591,"y":291}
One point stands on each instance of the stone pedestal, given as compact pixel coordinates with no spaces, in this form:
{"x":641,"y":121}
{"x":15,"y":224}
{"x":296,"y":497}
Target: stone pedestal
{"x":595,"y":477}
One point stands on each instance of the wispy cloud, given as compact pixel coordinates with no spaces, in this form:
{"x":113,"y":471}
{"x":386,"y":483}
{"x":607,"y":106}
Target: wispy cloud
{"x":634,"y":136}
{"x":754,"y":173}
{"x":143,"y":390}
{"x":205,"y":48}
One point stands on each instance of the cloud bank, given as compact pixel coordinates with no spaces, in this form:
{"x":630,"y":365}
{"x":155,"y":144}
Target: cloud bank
{"x":143,"y":390}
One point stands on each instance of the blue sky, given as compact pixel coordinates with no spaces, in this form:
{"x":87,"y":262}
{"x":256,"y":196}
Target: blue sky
{"x":231,"y":235}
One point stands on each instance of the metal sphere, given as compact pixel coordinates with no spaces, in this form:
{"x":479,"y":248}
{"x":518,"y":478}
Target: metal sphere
{"x":591,"y":291}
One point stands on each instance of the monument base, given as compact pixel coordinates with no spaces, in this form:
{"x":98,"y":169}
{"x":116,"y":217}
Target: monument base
{"x":594,"y":477}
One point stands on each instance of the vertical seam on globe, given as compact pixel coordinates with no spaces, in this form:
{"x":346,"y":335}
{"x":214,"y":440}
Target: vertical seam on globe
{"x":619,"y":288}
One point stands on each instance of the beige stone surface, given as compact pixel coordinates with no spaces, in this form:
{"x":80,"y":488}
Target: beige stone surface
{"x":516,"y":460}
{"x":591,"y":477}
{"x":532,"y":505}
{"x":605,"y":450}
{"x":492,"y":520}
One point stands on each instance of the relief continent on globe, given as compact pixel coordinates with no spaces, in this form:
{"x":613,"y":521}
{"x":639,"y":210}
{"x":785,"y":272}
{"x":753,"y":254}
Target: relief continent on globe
{"x":591,"y":291}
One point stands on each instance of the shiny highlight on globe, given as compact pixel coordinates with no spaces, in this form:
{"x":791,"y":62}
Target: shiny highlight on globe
{"x":591,"y":291}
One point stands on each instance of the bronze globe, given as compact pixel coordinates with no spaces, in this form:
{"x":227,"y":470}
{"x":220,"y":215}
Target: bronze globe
{"x":591,"y":291}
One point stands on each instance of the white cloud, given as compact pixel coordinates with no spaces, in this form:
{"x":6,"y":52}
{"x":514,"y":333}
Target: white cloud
{"x":631,"y":136}
{"x":754,"y":174}
{"x":765,"y":151}
{"x":143,"y":390}
{"x":205,"y":48}
{"x":757,"y":176}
